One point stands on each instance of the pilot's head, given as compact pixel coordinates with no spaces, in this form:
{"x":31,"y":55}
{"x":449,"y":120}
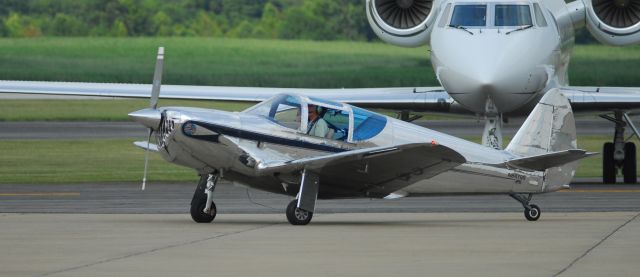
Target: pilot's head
{"x":313,"y":112}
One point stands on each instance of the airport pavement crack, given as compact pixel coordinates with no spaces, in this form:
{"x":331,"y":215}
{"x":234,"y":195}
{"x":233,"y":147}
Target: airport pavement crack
{"x":153,"y":250}
{"x":576,"y":260}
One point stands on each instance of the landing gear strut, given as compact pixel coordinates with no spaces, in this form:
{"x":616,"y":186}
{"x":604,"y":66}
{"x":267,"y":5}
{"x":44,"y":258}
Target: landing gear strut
{"x":531,"y":212}
{"x":300,"y":211}
{"x":203,"y":210}
{"x":619,"y":154}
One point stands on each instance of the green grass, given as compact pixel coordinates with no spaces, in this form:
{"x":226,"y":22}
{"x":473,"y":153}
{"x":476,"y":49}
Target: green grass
{"x":94,"y":110}
{"x":117,"y":160}
{"x":276,"y":63}
{"x":216,"y":61}
{"x":76,"y":161}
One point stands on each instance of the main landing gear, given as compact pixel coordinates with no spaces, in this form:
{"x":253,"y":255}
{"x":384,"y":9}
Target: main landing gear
{"x":531,"y":212}
{"x":298,"y":216}
{"x":203,"y":210}
{"x":619,"y":154}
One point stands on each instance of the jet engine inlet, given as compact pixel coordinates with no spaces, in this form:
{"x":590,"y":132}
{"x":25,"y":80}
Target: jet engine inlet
{"x":403,"y":14}
{"x":614,"y":22}
{"x":618,"y":13}
{"x":402,"y":22}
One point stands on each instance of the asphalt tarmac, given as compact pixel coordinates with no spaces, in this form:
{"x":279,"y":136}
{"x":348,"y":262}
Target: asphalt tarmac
{"x":97,"y":130}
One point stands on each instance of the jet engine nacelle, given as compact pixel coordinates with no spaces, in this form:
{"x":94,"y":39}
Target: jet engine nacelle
{"x":614,"y":22}
{"x":405,"y":23}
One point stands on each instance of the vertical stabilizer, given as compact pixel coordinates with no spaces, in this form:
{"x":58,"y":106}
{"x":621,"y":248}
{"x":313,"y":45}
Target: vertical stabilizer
{"x":549,"y":128}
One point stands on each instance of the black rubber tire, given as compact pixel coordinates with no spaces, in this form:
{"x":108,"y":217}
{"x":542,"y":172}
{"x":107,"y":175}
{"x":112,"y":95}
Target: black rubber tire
{"x":608,"y":164}
{"x":629,"y":166}
{"x":532,"y":214}
{"x":297,"y":216}
{"x":197,"y":213}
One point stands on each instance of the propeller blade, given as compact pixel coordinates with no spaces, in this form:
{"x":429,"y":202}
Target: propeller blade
{"x":146,"y":160}
{"x":157,"y":78}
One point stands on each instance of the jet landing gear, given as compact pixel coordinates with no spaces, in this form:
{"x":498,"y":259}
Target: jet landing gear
{"x":531,"y":212}
{"x":203,"y":210}
{"x":619,"y":154}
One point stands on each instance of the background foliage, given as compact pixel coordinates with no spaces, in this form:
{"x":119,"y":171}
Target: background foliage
{"x":290,"y":19}
{"x":282,"y":19}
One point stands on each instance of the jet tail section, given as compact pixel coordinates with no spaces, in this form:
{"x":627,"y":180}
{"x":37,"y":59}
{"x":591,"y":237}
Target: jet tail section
{"x":550,"y":128}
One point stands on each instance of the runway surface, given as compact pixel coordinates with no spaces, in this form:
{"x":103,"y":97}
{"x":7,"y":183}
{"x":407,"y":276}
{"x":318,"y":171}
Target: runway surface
{"x":113,"y":198}
{"x":116,"y":229}
{"x":413,"y":244}
{"x":93,"y":130}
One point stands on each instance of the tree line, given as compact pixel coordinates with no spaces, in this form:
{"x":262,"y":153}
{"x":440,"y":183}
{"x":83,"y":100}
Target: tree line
{"x":275,"y":19}
{"x":287,"y":19}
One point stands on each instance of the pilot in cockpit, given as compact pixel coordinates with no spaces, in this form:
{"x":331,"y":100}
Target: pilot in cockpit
{"x":316,"y":125}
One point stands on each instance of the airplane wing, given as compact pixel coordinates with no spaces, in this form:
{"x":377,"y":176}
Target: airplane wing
{"x":433,"y":99}
{"x":599,"y":99}
{"x":372,"y":172}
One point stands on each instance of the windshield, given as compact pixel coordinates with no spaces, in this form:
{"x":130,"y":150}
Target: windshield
{"x":513,"y":15}
{"x":469,"y":15}
{"x":282,"y":109}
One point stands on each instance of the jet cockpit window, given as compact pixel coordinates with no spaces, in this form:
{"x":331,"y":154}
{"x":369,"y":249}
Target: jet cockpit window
{"x":466,"y":15}
{"x":512,"y":15}
{"x":539,"y":16}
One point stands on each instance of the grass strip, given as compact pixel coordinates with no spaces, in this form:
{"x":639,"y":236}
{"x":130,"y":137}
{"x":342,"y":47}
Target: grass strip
{"x":117,"y":160}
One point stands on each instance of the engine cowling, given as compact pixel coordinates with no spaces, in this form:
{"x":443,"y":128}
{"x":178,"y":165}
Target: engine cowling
{"x":614,"y":22}
{"x":402,"y":22}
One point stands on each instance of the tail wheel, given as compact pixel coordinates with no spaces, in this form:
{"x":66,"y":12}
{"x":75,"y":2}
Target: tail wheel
{"x":609,"y":164}
{"x":297,"y":216}
{"x":532,"y":214}
{"x":629,"y":166}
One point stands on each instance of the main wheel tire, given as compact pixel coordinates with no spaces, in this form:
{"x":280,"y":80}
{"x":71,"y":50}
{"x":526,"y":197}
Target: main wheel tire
{"x":532,"y":214}
{"x":297,"y":216}
{"x":197,"y":211}
{"x":608,"y":164}
{"x":629,"y":166}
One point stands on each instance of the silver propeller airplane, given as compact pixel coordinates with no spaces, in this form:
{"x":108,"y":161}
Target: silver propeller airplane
{"x":313,"y":148}
{"x":495,"y":59}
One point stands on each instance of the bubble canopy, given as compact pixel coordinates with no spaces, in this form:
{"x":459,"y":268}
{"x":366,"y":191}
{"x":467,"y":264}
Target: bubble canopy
{"x":345,"y":122}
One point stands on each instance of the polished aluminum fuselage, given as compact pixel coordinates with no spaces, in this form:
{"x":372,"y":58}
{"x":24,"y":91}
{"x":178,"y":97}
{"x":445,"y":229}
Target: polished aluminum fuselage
{"x":512,"y":70}
{"x":243,"y":141}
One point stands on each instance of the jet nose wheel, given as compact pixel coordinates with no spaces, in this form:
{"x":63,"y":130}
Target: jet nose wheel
{"x":532,"y":214}
{"x":297,"y":216}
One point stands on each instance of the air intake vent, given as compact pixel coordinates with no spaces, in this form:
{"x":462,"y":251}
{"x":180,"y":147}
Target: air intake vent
{"x":405,"y":14}
{"x":616,"y":13}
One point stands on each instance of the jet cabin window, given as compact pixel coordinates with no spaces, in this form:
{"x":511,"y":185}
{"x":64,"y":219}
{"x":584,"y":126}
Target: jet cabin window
{"x":469,"y":16}
{"x":512,"y":15}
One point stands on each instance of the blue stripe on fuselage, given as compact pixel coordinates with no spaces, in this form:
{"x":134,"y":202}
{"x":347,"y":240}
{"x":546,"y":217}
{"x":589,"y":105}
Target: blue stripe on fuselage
{"x":244,"y":134}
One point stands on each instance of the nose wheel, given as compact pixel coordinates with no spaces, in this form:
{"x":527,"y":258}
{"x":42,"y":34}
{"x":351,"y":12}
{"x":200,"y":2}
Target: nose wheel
{"x":531,"y":212}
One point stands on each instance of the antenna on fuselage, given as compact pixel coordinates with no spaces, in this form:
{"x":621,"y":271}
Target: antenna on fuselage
{"x":155,"y":94}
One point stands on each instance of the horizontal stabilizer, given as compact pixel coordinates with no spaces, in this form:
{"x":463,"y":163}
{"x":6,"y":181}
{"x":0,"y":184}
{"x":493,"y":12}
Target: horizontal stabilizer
{"x":143,"y":145}
{"x":549,"y":160}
